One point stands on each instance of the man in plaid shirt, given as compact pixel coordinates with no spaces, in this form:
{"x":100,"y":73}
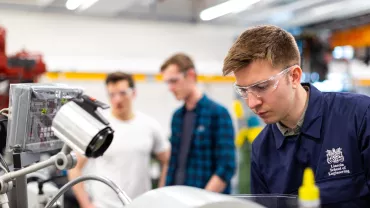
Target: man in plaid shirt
{"x":202,"y":140}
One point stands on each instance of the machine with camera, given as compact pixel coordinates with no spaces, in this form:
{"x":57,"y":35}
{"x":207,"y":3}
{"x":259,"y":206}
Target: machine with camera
{"x":38,"y":122}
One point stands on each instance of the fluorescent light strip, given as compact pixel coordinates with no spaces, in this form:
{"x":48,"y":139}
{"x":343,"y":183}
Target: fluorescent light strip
{"x":80,"y":4}
{"x":231,"y":6}
{"x":328,"y":8}
{"x":73,"y":4}
{"x":87,"y":4}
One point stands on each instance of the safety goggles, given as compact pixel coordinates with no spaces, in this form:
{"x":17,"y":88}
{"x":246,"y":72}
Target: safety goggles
{"x":175,"y":79}
{"x":122,"y":93}
{"x":263,"y":87}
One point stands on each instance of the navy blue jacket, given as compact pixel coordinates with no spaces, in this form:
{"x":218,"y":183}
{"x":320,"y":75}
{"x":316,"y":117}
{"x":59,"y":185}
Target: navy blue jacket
{"x":334,"y":141}
{"x":212,"y":150}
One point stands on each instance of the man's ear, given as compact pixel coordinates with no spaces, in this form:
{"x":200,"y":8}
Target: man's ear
{"x":192,"y":73}
{"x":296,"y":75}
{"x":134,"y":93}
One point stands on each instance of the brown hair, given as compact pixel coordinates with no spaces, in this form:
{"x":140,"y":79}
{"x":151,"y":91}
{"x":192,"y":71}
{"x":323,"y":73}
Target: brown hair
{"x":120,"y":76}
{"x":183,"y":61}
{"x":264,"y":42}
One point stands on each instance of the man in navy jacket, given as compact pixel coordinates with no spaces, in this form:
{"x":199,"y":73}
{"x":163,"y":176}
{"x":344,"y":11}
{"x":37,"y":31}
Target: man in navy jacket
{"x":327,"y":132}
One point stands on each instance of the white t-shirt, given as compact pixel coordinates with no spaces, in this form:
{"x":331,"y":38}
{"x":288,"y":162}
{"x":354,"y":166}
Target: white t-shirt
{"x":127,"y":160}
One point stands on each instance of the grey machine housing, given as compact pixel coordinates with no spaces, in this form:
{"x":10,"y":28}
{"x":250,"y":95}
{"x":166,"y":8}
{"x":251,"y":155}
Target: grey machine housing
{"x":32,"y":107}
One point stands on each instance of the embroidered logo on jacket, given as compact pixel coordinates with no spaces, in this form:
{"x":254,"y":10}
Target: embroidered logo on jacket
{"x":335,"y":159}
{"x":334,"y":156}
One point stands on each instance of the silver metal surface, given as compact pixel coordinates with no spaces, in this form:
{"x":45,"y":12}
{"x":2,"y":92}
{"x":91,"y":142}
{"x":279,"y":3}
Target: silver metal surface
{"x":19,"y":192}
{"x":24,"y":171}
{"x":76,"y":127}
{"x":4,"y":201}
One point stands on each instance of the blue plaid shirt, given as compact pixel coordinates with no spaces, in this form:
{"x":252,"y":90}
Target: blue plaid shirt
{"x":212,"y":150}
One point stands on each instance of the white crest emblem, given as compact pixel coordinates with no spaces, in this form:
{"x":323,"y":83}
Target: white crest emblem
{"x":334,"y":156}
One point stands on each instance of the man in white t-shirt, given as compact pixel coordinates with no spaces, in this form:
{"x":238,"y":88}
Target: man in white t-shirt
{"x":127,"y":160}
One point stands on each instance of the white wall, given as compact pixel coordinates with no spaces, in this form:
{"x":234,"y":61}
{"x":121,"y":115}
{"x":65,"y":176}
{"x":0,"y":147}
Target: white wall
{"x":101,"y":44}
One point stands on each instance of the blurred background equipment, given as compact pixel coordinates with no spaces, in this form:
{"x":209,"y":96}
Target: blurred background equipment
{"x":22,"y":67}
{"x":248,"y":127}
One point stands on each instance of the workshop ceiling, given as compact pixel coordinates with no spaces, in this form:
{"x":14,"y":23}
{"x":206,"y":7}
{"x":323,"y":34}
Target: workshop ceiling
{"x":285,"y":13}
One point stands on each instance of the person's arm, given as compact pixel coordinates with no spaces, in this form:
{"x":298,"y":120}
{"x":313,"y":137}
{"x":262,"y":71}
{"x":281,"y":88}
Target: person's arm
{"x":364,"y":135}
{"x":216,"y":184}
{"x":258,"y":186}
{"x":224,"y":151}
{"x":163,"y":158}
{"x":78,"y":189}
{"x":162,"y":151}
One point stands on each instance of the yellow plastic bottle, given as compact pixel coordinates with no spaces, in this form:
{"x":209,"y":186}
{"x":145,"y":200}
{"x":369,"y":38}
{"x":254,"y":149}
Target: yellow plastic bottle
{"x":238,"y":109}
{"x":308,"y":193}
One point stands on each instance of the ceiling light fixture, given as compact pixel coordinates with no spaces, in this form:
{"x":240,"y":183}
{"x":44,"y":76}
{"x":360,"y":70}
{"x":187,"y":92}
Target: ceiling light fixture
{"x":231,"y":6}
{"x":87,"y":4}
{"x":73,"y":4}
{"x":80,"y":4}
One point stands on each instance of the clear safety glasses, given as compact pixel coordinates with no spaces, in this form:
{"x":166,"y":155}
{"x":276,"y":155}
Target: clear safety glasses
{"x":122,"y":93}
{"x":263,"y":87}
{"x":175,"y":79}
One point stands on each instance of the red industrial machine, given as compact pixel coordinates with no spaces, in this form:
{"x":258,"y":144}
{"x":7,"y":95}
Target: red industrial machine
{"x":23,"y":67}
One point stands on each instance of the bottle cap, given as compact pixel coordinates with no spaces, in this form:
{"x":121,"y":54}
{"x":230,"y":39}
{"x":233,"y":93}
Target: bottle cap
{"x":308,"y":190}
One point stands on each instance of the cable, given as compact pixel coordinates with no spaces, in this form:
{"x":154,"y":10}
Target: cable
{"x":121,"y":195}
{"x":2,"y":112}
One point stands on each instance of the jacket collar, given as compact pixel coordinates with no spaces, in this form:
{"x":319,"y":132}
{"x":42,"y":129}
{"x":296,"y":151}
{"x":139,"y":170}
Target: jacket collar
{"x":313,"y":118}
{"x":200,"y":104}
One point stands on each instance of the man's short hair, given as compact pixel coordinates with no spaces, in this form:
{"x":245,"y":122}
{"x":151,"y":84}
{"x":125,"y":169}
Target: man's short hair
{"x":120,"y":76}
{"x":183,"y":61}
{"x":265,"y":42}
